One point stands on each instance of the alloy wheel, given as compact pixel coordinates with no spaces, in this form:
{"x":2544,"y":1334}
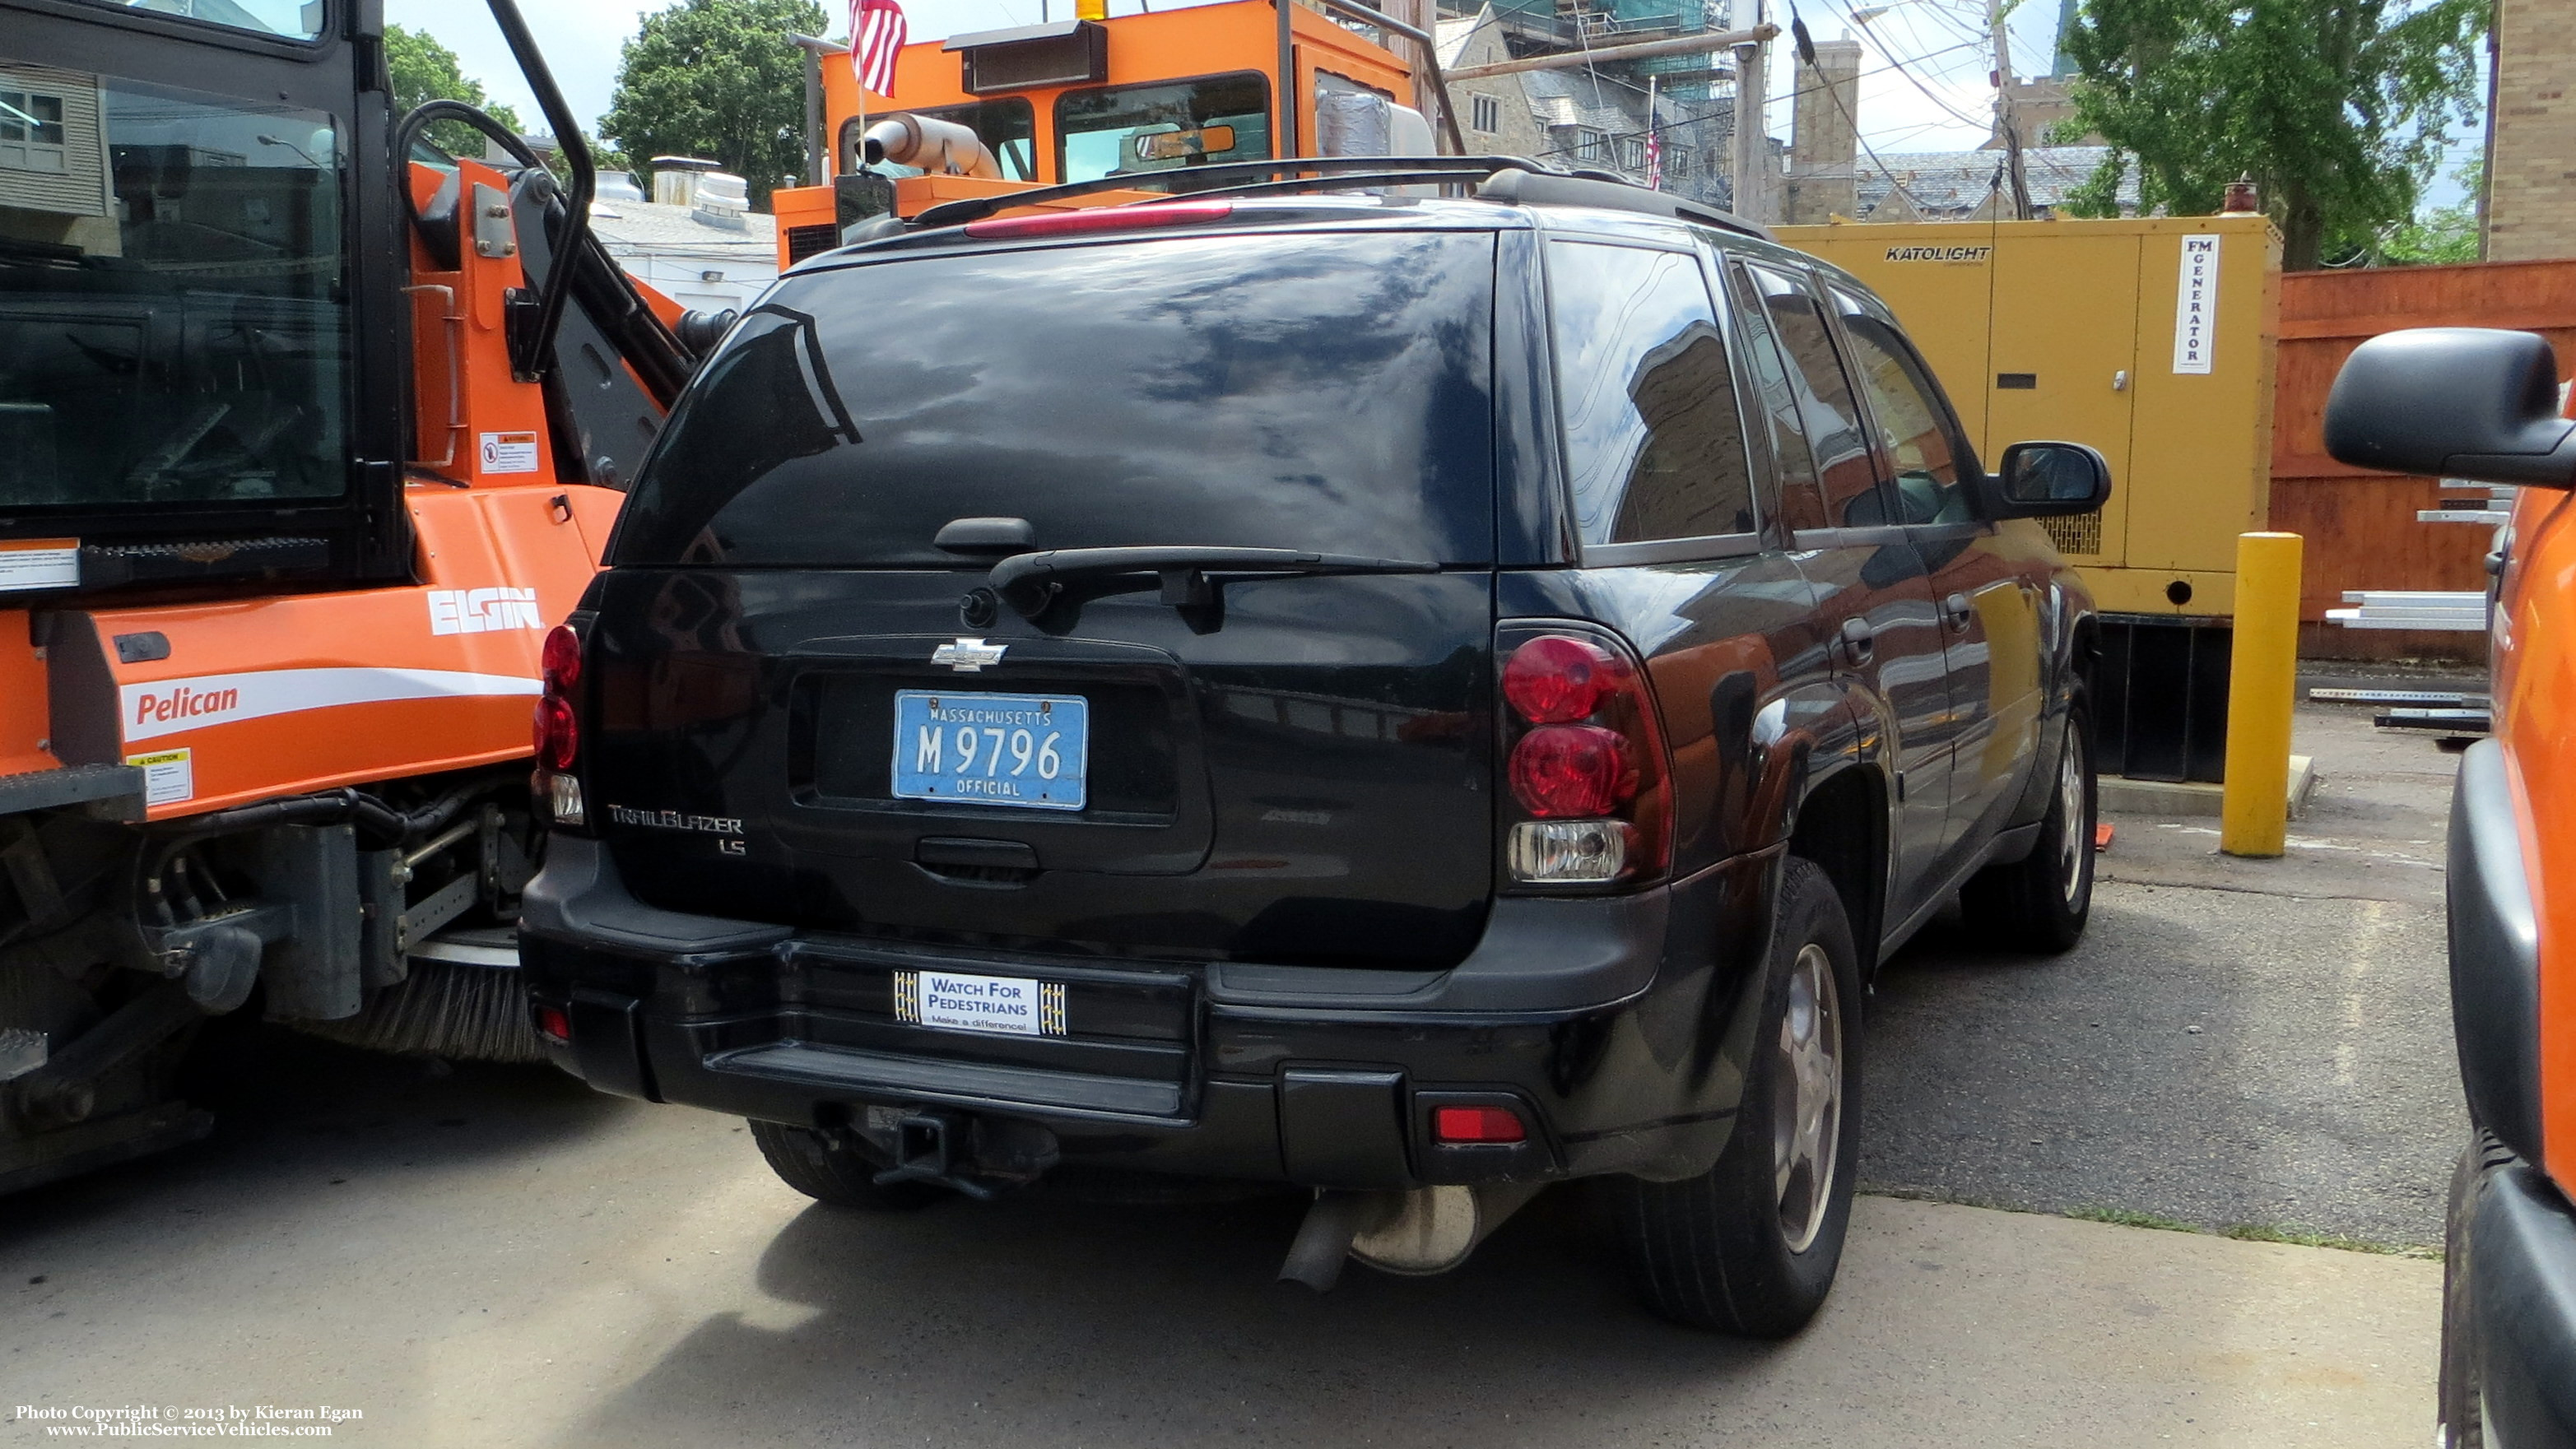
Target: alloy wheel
{"x":1807,"y":1097}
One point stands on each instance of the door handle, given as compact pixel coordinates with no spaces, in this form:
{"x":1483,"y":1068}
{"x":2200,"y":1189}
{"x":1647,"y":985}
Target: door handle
{"x":1856,"y":641}
{"x":1958,"y":611}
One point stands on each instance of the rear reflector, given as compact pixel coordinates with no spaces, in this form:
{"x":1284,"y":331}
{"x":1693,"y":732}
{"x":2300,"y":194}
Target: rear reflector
{"x":1477,"y":1124}
{"x":553,"y":1025}
{"x":1101,"y":218}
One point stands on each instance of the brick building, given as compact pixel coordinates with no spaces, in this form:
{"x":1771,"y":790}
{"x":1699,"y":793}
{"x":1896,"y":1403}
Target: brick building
{"x":2530,"y":202}
{"x":1586,"y":116}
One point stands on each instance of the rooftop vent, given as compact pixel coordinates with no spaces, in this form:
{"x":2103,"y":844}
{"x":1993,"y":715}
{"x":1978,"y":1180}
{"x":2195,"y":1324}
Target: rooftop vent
{"x":676,"y":179}
{"x":721,"y":200}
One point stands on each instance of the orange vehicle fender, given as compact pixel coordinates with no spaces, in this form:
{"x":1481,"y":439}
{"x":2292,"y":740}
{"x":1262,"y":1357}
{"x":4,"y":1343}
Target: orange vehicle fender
{"x":297,"y":692}
{"x":2535,"y":714}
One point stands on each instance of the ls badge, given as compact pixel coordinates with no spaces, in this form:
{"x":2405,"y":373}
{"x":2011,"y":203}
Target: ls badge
{"x":968,"y":656}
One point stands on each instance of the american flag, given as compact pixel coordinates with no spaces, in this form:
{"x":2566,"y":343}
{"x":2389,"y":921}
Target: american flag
{"x":876,"y":37}
{"x":1654,"y":140}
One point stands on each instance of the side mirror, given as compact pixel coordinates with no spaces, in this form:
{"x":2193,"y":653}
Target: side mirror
{"x":2043,"y":480}
{"x":2453,"y":402}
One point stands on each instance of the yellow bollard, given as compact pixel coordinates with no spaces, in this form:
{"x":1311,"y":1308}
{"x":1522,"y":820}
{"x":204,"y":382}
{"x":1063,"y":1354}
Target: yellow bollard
{"x":2262,"y":686}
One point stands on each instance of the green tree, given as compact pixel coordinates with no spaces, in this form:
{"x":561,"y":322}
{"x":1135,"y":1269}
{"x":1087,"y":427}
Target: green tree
{"x":424,"y":70}
{"x":717,"y":79}
{"x":2437,"y":235}
{"x":2336,"y":108}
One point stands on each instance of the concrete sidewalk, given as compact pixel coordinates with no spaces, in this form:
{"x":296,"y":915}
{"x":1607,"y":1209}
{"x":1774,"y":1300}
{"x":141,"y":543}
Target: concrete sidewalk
{"x":493,"y":1260}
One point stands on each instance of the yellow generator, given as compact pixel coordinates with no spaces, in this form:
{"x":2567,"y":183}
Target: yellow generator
{"x":2153,"y":341}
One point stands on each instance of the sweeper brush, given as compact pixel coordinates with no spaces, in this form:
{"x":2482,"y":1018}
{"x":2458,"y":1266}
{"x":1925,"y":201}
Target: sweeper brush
{"x":457,"y":1010}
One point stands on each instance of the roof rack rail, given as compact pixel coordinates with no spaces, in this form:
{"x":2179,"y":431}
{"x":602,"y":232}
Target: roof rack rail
{"x":1541,"y":188}
{"x":976,"y":208}
{"x":1509,"y":180}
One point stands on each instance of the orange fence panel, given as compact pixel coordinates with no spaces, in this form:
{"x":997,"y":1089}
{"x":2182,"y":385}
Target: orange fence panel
{"x":2360,"y":527}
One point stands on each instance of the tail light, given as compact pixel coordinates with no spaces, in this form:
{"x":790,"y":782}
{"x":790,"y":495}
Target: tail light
{"x":1584,"y":758}
{"x":557,"y":728}
{"x":558,"y":733}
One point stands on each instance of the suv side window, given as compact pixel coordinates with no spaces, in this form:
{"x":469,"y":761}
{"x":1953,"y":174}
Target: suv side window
{"x":1852,"y":498}
{"x":1802,"y":499}
{"x":1653,"y":443}
{"x":1914,"y":426}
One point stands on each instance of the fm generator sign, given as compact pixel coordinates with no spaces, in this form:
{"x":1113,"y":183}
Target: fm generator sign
{"x":2196,"y":305}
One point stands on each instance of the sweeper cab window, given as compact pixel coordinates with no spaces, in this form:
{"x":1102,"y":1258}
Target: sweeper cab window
{"x":174,"y":324}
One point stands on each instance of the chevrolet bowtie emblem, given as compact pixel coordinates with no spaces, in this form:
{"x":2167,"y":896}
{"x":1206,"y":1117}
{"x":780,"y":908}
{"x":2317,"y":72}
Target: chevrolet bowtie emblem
{"x":968,"y":656}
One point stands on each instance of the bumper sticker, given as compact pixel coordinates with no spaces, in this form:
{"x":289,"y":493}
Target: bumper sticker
{"x":1007,"y":1005}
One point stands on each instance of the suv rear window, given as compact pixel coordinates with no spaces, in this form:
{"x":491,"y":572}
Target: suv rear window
{"x":1311,"y":391}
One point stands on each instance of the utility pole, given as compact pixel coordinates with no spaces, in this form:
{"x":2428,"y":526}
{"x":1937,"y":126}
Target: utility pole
{"x":1752,"y":143}
{"x":2004,"y":118}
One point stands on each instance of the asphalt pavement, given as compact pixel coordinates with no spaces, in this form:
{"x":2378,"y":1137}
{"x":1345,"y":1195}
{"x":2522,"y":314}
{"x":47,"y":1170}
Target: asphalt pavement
{"x":499,"y":1258}
{"x":488,"y":1256}
{"x":2235,"y":1043}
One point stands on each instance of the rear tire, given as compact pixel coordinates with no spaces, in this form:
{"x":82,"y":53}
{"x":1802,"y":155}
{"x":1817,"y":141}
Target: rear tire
{"x":836,"y":1175}
{"x":2460,"y":1404}
{"x":1751,"y":1245}
{"x":2041,"y":902}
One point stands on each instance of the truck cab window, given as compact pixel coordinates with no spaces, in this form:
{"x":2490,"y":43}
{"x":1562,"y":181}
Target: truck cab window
{"x":1104,"y":131}
{"x":293,"y":19}
{"x":174,"y":320}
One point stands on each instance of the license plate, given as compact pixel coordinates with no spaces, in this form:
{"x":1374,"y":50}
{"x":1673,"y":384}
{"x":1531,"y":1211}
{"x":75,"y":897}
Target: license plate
{"x":1027,"y":750}
{"x":1003,"y":1005}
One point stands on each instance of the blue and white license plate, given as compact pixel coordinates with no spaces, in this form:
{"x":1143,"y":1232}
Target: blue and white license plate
{"x":1028,"y":750}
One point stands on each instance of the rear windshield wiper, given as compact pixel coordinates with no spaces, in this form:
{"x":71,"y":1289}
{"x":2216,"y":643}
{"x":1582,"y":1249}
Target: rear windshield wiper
{"x":1029,"y":582}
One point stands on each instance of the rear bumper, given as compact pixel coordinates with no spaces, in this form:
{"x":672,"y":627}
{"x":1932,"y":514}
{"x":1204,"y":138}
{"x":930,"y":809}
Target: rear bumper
{"x":2522,"y":1294}
{"x":1615,"y":1028}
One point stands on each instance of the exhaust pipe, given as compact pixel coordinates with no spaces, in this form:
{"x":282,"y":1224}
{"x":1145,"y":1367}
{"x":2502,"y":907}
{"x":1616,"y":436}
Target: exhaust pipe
{"x":1412,"y":1234}
{"x":933,"y":145}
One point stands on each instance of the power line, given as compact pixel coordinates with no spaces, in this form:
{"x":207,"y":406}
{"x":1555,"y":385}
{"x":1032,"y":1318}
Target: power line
{"x":1898,"y":64}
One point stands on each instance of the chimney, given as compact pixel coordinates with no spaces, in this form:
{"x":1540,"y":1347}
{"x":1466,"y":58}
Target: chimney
{"x":1824,"y":140}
